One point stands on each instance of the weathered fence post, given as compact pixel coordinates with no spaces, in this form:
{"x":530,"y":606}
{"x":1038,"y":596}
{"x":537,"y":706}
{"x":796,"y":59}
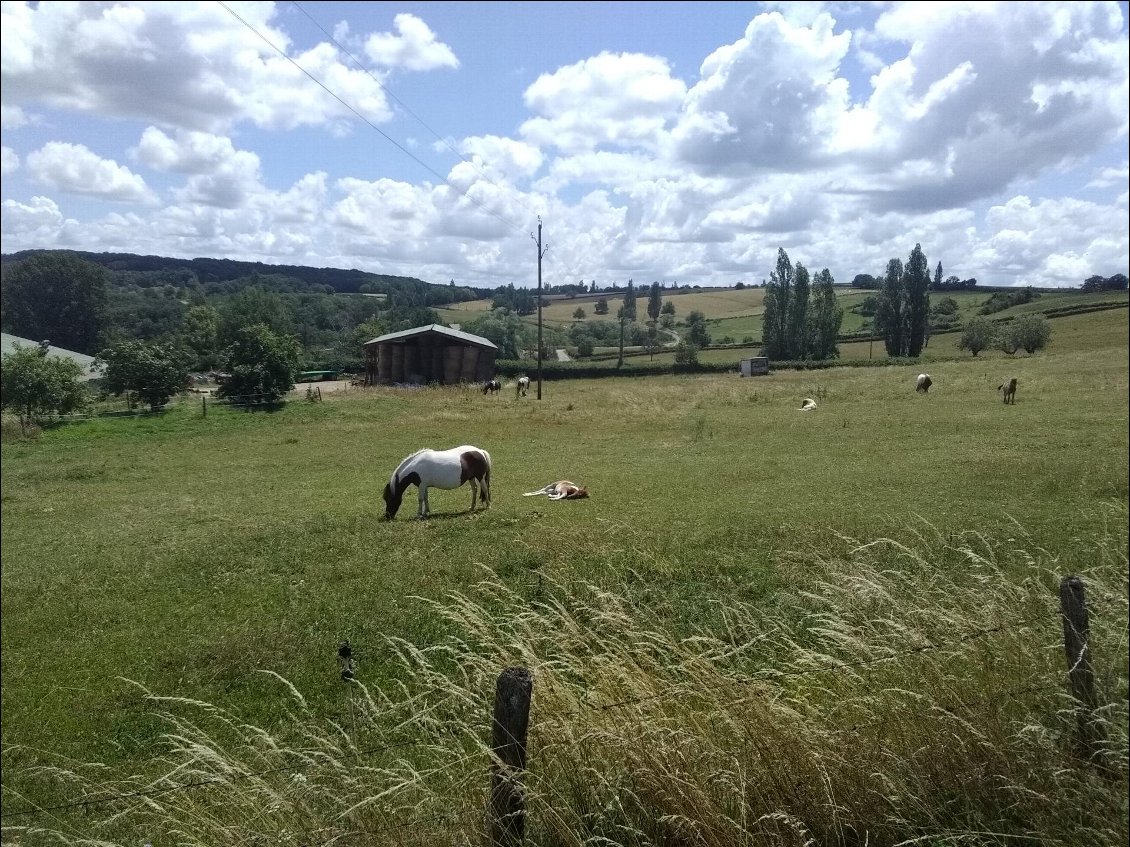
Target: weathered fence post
{"x":204,"y":404}
{"x":507,"y":813}
{"x":1080,"y":670}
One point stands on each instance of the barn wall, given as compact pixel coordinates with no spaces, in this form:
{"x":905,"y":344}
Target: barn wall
{"x":428,"y":358}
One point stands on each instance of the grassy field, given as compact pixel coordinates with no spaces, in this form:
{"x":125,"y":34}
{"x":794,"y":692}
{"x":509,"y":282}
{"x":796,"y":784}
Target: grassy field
{"x":191,"y":554}
{"x":738,"y":314}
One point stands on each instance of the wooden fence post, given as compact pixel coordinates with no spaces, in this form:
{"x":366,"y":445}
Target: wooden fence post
{"x":507,"y":814}
{"x":204,"y":404}
{"x":1080,"y":670}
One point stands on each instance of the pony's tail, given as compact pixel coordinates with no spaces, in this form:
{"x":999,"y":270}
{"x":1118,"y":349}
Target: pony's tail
{"x":486,"y":477}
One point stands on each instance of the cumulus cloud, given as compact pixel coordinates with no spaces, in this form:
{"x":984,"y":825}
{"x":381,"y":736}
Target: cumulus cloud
{"x":988,"y":94}
{"x":623,"y":100}
{"x":188,"y":65}
{"x":11,"y":161}
{"x":968,"y":129}
{"x":77,"y":170}
{"x":413,"y":47}
{"x":771,"y":99}
{"x":39,"y":216}
{"x":12,"y":117}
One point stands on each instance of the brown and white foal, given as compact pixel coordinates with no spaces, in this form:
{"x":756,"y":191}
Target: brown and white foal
{"x":561,"y":490}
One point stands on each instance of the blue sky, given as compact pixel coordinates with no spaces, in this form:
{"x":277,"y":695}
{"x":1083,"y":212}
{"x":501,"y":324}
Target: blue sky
{"x":679,"y":142}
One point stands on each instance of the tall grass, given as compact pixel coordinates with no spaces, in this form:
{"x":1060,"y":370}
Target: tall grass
{"x":908,"y":689}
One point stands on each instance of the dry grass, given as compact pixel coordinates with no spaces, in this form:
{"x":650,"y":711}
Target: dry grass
{"x":898,"y":693}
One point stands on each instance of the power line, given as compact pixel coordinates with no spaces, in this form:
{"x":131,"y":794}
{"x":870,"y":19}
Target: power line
{"x":385,"y":88}
{"x":371,"y":125}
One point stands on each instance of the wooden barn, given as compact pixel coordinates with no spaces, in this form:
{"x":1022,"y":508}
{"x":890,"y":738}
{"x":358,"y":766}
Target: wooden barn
{"x":429,"y":354}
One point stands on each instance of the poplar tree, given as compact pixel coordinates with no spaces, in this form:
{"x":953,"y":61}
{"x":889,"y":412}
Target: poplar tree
{"x":775,"y":321}
{"x":796,"y":338}
{"x":827,"y":317}
{"x":916,"y":278}
{"x":890,"y":309}
{"x":630,"y":302}
{"x":654,"y":302}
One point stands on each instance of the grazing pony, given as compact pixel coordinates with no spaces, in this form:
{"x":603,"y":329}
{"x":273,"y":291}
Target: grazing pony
{"x":923,"y":384}
{"x":522,"y":387}
{"x":446,"y":469}
{"x":1009,"y":389}
{"x":808,"y":405}
{"x":494,"y":386}
{"x":561,"y":490}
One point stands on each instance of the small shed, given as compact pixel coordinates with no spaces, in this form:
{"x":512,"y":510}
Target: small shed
{"x":756,"y":366}
{"x":429,"y":354}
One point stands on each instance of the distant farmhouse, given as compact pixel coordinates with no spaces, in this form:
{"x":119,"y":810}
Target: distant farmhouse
{"x":428,"y":354}
{"x":89,"y":371}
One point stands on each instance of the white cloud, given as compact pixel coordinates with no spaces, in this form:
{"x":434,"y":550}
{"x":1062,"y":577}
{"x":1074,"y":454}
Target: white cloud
{"x":11,"y":161}
{"x":770,"y":100}
{"x":623,"y":100}
{"x":12,"y":117}
{"x":1108,"y":177}
{"x":189,"y":152}
{"x":987,"y":95}
{"x":414,"y":47}
{"x":32,"y":223}
{"x":187,"y":65}
{"x":75,"y":169}
{"x":976,"y":118}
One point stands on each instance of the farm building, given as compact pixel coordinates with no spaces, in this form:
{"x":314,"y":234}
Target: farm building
{"x":429,"y":354}
{"x":756,"y":366}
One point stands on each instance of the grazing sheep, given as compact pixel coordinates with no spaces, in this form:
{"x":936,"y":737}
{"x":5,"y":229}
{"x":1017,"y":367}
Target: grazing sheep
{"x":1009,"y":389}
{"x":923,"y":384}
{"x":808,"y":405}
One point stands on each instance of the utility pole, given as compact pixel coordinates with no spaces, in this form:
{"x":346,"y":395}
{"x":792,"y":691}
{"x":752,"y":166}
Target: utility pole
{"x":541,"y":252}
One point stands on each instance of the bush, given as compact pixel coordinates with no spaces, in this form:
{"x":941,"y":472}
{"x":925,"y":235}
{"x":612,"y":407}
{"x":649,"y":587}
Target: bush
{"x":1030,"y":332}
{"x":35,"y":385}
{"x":978,"y":334}
{"x":686,"y":353}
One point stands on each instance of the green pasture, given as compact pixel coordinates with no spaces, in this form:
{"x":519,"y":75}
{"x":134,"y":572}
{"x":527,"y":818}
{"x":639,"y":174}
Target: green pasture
{"x":190,"y":553}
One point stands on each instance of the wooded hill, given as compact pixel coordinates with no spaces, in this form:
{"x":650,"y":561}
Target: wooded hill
{"x":216,"y":275}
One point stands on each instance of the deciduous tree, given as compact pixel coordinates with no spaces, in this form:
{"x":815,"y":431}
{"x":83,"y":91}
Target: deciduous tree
{"x":57,"y":298}
{"x":153,"y":372}
{"x":33,"y":384}
{"x":1030,"y":332}
{"x":698,"y":333}
{"x":978,"y":334}
{"x":261,"y":363}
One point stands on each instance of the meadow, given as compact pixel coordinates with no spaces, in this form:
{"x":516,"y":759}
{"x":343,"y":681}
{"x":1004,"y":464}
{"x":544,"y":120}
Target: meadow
{"x":175,"y":590}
